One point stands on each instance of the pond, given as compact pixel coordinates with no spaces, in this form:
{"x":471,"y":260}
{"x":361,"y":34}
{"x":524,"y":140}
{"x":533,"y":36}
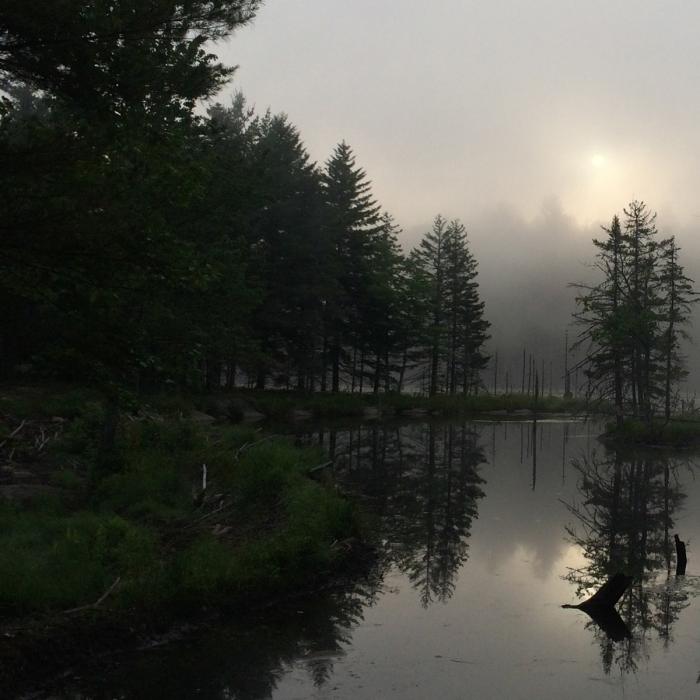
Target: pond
{"x":483,"y":531}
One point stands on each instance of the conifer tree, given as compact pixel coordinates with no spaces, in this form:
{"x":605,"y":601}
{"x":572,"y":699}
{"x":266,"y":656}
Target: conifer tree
{"x":456,"y":328}
{"x":286,"y":248}
{"x":430,"y":261}
{"x":633,"y":317}
{"x":111,"y":59}
{"x":604,"y":313}
{"x":353,"y":224}
{"x":677,"y":290}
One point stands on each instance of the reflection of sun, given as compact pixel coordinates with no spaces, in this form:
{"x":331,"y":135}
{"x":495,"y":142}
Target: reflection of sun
{"x":598,"y":160}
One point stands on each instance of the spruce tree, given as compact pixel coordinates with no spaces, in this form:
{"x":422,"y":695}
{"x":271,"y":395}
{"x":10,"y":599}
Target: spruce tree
{"x":430,"y":260}
{"x":633,"y":318}
{"x":353,"y":225}
{"x":678,"y":295}
{"x":456,"y":328}
{"x":604,"y":313}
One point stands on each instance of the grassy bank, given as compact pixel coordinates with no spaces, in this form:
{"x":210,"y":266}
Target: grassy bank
{"x":143,"y":529}
{"x":282,"y":405}
{"x":675,"y":433}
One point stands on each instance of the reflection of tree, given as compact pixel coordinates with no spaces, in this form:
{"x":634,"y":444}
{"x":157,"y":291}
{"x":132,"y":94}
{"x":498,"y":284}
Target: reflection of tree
{"x":623,"y":523}
{"x":420,"y":483}
{"x":245,"y":660}
{"x":423,"y":485}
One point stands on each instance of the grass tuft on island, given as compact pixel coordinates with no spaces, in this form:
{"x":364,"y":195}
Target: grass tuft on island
{"x":145,"y":532}
{"x":660,"y":433}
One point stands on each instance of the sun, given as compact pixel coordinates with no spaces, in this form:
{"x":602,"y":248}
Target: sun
{"x":598,"y":160}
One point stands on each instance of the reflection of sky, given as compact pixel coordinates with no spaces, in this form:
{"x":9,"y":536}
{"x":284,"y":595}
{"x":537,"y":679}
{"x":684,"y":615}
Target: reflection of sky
{"x":503,"y":633}
{"x":513,"y":516}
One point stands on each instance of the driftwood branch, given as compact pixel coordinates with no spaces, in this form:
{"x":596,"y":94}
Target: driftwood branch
{"x":249,"y":445}
{"x":13,"y":433}
{"x":320,"y":467}
{"x":97,"y":603}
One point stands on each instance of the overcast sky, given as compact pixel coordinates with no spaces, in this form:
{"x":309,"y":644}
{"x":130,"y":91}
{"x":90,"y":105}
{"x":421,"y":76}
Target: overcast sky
{"x":533,"y":121}
{"x":460,"y":106}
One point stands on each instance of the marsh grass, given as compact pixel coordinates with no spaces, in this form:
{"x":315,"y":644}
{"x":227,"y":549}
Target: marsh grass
{"x":65,"y":551}
{"x":278,"y":405}
{"x":675,"y":433}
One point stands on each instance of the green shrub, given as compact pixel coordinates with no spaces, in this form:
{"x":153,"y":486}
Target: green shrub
{"x":50,"y":560}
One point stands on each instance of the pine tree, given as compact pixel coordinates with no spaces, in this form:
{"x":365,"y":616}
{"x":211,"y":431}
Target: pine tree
{"x":353,"y":224}
{"x":677,"y":290}
{"x":381,"y":324}
{"x":642,"y":256}
{"x":475,"y":329}
{"x":430,"y":260}
{"x":112,"y":59}
{"x":633,"y":317}
{"x":604,"y":313}
{"x":456,"y":329}
{"x":287,"y":251}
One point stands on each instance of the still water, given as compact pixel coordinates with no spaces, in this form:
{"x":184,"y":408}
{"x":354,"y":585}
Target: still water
{"x":484,"y":530}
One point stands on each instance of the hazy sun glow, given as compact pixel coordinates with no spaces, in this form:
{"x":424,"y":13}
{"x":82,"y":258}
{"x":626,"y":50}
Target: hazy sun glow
{"x":598,"y":160}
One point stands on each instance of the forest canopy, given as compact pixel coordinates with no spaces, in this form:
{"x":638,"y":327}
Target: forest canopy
{"x":144,"y":242}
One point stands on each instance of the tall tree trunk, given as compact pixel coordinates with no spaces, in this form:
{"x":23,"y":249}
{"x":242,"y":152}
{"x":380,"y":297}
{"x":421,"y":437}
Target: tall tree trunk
{"x":670,"y":339}
{"x":362,"y":369}
{"x":402,"y":371}
{"x":324,"y":365}
{"x":335,"y":362}
{"x":213,"y":379}
{"x":260,"y":378}
{"x":387,"y":374}
{"x":495,"y":374}
{"x":377,"y":373}
{"x":434,"y":370}
{"x":354,"y":365}
{"x":231,"y":374}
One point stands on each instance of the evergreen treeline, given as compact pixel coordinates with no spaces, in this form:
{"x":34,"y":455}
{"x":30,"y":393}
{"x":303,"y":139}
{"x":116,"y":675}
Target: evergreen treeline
{"x":634,"y":318}
{"x":143,"y":242}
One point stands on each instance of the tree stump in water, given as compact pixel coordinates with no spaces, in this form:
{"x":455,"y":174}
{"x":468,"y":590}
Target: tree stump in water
{"x":600,"y":607}
{"x":681,"y":559}
{"x":609,"y":593}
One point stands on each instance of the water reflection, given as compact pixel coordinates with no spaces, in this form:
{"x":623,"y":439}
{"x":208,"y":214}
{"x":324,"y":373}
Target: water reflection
{"x":424,"y":486}
{"x":475,"y":525}
{"x":624,"y":514}
{"x":238,"y":659}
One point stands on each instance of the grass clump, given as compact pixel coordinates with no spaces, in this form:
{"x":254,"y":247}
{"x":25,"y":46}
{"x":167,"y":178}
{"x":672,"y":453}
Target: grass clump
{"x":53,"y":560}
{"x":674,"y":433}
{"x":286,"y":524}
